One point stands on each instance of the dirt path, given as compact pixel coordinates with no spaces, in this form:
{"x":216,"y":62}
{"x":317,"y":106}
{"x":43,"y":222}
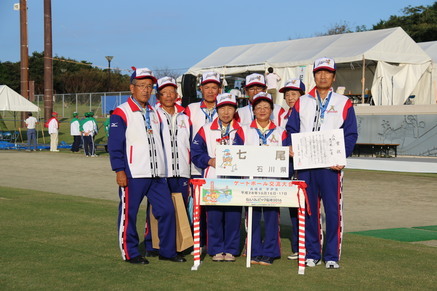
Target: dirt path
{"x":372,"y":200}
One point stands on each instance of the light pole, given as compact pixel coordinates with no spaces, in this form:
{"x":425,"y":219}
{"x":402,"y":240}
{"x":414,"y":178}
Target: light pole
{"x":109,"y":58}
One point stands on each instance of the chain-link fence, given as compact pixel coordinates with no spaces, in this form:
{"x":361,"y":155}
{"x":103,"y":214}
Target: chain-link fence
{"x":99,"y":103}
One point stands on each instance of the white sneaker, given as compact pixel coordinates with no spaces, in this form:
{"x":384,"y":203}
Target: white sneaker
{"x":293,"y":256}
{"x":332,"y":265}
{"x":312,"y":262}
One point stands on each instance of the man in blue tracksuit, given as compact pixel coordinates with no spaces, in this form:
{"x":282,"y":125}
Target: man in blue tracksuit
{"x":323,"y":109}
{"x":137,"y":156}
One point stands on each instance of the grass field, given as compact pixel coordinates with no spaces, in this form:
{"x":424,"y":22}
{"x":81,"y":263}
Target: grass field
{"x":53,"y":242}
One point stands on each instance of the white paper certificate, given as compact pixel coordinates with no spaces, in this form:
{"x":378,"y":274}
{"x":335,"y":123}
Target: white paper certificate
{"x":318,"y":149}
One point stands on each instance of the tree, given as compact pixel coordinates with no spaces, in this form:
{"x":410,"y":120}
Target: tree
{"x":419,"y":22}
{"x":69,"y":76}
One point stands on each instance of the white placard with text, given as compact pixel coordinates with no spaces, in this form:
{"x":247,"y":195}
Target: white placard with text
{"x":256,"y":161}
{"x":318,"y":149}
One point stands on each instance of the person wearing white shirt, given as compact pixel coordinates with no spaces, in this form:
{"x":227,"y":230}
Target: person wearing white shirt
{"x":75,"y":132}
{"x":53,"y":126}
{"x":272,"y":80}
{"x":31,"y":123}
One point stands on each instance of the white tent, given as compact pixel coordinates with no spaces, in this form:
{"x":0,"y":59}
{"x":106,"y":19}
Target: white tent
{"x":12,"y":101}
{"x":388,"y":61}
{"x":430,"y":47}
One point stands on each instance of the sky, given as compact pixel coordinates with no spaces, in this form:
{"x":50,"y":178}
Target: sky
{"x":176,"y":35}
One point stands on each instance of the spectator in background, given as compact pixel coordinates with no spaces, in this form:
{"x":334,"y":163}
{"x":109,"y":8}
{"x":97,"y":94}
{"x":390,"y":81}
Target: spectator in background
{"x":75,"y":132}
{"x":88,"y":131}
{"x":53,"y":126}
{"x":272,"y":80}
{"x":31,"y":123}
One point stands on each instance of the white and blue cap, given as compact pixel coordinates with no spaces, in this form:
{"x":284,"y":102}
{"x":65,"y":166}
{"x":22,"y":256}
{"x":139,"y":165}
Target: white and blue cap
{"x":166,"y":81}
{"x":226,"y":99}
{"x":143,"y":73}
{"x":325,"y":64}
{"x":293,"y":84}
{"x":255,"y":79}
{"x":210,"y":77}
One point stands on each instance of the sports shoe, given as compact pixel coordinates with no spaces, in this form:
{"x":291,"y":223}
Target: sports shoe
{"x":332,"y":265}
{"x":312,"y":262}
{"x":255,"y":260}
{"x":229,"y":257}
{"x":138,"y":260}
{"x":293,"y":256}
{"x":266,"y":261}
{"x":218,"y":258}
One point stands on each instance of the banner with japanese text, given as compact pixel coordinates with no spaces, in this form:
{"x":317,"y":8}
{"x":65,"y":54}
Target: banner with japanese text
{"x":237,"y":192}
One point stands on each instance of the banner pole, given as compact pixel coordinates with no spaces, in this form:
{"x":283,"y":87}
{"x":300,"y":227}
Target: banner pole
{"x":249,"y":234}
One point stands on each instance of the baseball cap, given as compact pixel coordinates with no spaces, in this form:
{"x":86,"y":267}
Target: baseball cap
{"x":75,"y":114}
{"x":166,"y":81}
{"x":262,"y":96}
{"x":293,"y":84}
{"x":211,"y":77}
{"x":255,"y":79}
{"x":226,"y":99}
{"x":54,"y":113}
{"x":143,"y":73}
{"x":325,"y":64}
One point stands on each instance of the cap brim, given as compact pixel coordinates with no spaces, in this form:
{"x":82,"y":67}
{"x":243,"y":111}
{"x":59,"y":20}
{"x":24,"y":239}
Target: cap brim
{"x":226,"y":103}
{"x":211,"y":81}
{"x":255,"y":84}
{"x":283,"y":89}
{"x":324,"y":68}
{"x":154,"y":80}
{"x":165,"y":85}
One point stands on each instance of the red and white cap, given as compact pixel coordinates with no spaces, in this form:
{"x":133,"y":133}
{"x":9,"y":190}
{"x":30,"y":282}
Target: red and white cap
{"x":325,"y":64}
{"x":211,"y":77}
{"x":226,"y":99}
{"x":143,"y":73}
{"x":166,"y":81}
{"x":293,"y":84}
{"x":262,"y":96}
{"x":255,"y":79}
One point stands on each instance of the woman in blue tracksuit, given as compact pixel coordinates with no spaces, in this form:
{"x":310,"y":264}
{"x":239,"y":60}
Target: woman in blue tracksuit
{"x":223,"y":222}
{"x":264,"y":132}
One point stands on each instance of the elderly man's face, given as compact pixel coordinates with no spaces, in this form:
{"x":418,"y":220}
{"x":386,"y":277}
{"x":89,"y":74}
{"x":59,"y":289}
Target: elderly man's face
{"x":324,"y":79}
{"x":141,"y":90}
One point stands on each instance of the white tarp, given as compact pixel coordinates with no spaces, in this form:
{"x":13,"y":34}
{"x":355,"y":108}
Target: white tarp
{"x":393,"y":84}
{"x":12,"y":101}
{"x":294,"y":58}
{"x":430,"y":47}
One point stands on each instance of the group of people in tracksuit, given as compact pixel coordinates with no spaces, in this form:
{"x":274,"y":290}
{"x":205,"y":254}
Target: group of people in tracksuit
{"x":156,"y":150}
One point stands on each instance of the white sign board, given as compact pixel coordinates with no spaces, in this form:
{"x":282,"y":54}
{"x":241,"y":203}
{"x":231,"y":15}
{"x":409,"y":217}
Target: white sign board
{"x":237,"y":192}
{"x":318,"y":149}
{"x":256,"y":161}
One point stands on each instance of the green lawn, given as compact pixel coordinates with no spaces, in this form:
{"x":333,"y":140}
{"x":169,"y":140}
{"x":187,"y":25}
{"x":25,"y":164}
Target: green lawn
{"x":52,"y":241}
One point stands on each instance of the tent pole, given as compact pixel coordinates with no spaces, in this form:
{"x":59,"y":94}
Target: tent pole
{"x":363,"y":80}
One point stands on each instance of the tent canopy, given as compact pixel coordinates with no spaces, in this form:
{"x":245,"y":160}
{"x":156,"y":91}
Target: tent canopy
{"x":12,"y":101}
{"x":294,"y":58}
